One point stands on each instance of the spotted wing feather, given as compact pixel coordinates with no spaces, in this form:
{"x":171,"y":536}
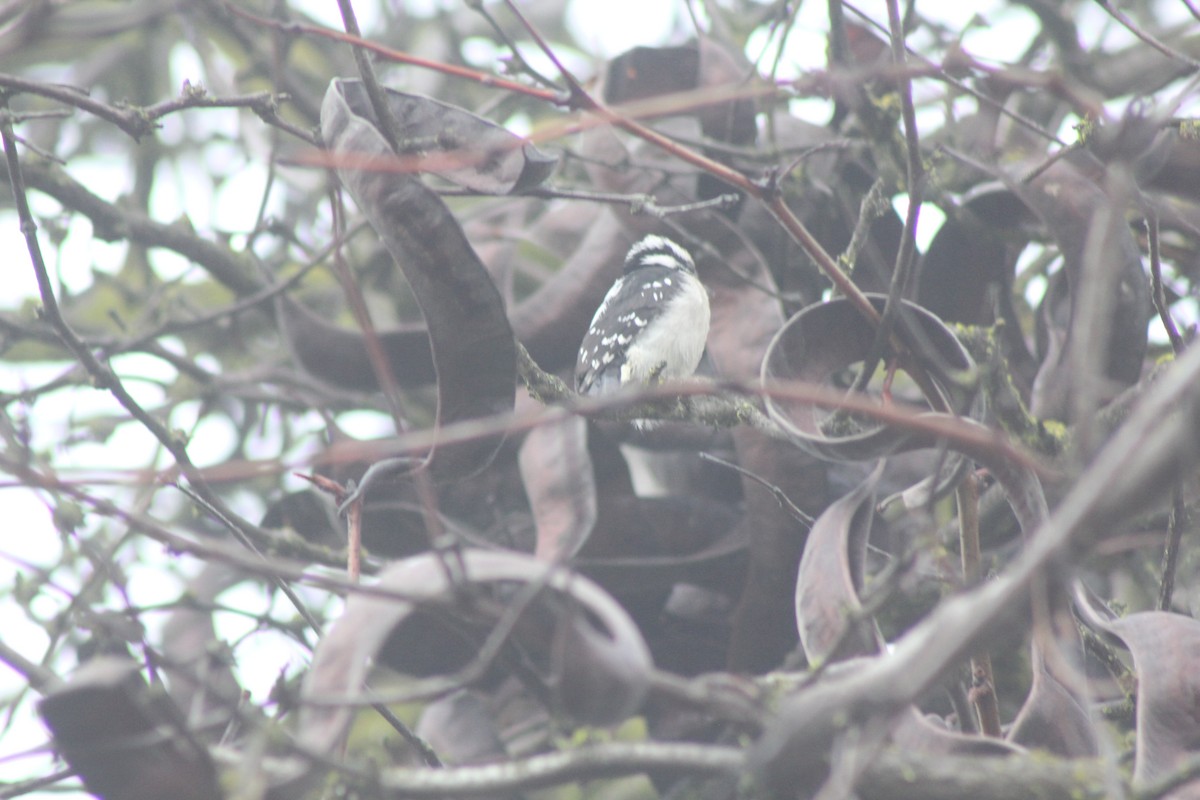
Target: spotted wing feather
{"x":626,"y":310}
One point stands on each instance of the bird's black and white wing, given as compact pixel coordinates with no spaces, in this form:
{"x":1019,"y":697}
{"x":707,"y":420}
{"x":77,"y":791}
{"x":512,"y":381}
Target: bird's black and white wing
{"x":652,"y":324}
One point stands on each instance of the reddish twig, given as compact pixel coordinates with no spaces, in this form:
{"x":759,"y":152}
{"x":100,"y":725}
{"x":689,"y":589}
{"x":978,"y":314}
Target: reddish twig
{"x":483,"y":78}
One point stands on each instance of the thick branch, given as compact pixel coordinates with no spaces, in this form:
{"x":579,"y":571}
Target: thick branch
{"x":111,"y":222}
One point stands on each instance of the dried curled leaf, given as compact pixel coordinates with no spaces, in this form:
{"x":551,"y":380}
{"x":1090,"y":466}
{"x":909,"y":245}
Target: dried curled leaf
{"x":473,"y":349}
{"x":826,"y":338}
{"x":125,"y":739}
{"x":828,"y":610}
{"x":598,"y":661}
{"x":558,"y":478}
{"x":1165,"y":649}
{"x":450,"y":142}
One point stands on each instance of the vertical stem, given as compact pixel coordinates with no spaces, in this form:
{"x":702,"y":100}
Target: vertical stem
{"x":1178,"y":511}
{"x":983,"y":684}
{"x":354,"y":540}
{"x":1158,"y":294}
{"x":1171,"y":552}
{"x":383,"y":112}
{"x":905,"y":257}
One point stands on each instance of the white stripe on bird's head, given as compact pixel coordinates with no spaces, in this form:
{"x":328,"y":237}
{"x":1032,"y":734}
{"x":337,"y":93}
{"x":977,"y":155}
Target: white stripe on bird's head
{"x":659,"y":251}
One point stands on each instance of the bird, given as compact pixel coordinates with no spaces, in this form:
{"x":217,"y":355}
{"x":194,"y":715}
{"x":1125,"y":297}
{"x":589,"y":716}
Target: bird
{"x":651,"y":326}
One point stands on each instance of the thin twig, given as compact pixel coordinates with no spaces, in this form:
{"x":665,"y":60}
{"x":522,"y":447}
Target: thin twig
{"x":1051,"y":160}
{"x":769,"y":192}
{"x":872,"y":207}
{"x":777,"y":492}
{"x":1175,"y":527}
{"x":22,"y":788}
{"x":983,"y":682}
{"x":1158,"y":293}
{"x":362,"y":317}
{"x":636,"y":203}
{"x":906,"y":252}
{"x":129,"y":120}
{"x":483,"y":78}
{"x":934,"y":70}
{"x":905,"y":257}
{"x":388,"y":125}
{"x":1123,"y":18}
{"x":105,"y":378}
{"x":522,"y":63}
{"x":40,"y":678}
{"x":430,"y":757}
{"x":141,"y":121}
{"x":313,"y":623}
{"x":572,"y":84}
